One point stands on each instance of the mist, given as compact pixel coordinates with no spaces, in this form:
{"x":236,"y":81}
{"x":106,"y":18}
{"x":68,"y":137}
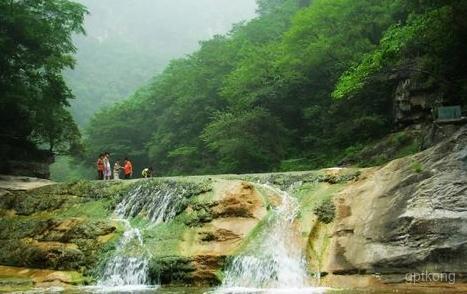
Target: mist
{"x":129,"y":41}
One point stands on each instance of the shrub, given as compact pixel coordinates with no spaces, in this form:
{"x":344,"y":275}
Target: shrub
{"x":326,"y":211}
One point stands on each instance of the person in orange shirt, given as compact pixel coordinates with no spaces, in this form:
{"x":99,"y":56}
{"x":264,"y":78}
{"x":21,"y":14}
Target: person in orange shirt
{"x":100,"y":167}
{"x":128,"y":169}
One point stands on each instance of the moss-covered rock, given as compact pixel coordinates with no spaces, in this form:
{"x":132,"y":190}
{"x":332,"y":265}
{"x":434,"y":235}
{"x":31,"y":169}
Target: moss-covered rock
{"x":62,"y":196}
{"x":171,"y":269}
{"x":62,"y":227}
{"x":69,"y":244}
{"x":200,"y":269}
{"x":69,"y":226}
{"x":287,"y":180}
{"x":17,"y":279}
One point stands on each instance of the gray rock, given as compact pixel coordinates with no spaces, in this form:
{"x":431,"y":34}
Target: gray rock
{"x":407,"y":216}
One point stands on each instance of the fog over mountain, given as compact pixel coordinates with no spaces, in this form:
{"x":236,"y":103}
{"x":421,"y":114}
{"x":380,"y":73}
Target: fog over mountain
{"x":130,"y":41}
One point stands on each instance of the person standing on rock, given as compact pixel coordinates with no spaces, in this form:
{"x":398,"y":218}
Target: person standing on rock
{"x":128,"y":168}
{"x":107,"y":170}
{"x":100,"y":167}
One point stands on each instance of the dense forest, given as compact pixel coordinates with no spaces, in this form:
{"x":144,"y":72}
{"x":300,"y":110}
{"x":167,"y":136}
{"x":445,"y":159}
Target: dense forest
{"x":128,"y":42}
{"x":298,"y":87}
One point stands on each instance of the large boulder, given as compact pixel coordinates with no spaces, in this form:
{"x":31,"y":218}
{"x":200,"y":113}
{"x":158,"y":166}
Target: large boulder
{"x":409,"y":216}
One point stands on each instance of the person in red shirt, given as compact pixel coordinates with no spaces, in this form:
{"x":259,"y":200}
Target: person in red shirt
{"x":128,"y":169}
{"x":100,"y":167}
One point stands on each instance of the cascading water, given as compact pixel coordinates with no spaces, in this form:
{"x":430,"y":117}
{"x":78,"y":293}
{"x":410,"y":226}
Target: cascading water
{"x":277,"y":262}
{"x":158,"y":204}
{"x":128,"y":268}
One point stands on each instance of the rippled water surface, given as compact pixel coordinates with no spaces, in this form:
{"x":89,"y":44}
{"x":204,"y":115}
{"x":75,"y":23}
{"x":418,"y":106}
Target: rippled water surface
{"x":200,"y":290}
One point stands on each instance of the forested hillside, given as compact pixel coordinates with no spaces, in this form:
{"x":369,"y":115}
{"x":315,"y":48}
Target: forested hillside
{"x":128,"y":42}
{"x":298,"y":87}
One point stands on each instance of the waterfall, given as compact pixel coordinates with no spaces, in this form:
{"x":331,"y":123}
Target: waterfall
{"x":277,"y":262}
{"x":158,"y":203}
{"x":128,"y":267}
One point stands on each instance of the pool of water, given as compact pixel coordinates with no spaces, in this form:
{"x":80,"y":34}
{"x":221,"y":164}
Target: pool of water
{"x":143,"y":289}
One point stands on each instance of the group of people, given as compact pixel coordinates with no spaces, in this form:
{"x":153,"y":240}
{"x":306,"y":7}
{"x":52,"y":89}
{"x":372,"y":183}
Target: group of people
{"x":104,"y":171}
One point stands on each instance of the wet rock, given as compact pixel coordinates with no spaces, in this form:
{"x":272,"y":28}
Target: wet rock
{"x":219,"y":235}
{"x":171,"y":270}
{"x":21,"y":183}
{"x":52,"y":243}
{"x":17,"y":278}
{"x":239,"y":200}
{"x":207,"y":269}
{"x":200,"y":269}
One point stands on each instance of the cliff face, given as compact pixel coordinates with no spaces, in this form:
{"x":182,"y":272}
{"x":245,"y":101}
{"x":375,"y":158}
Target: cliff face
{"x":409,"y":216}
{"x":16,"y":159}
{"x":413,"y":102}
{"x":357,"y":227}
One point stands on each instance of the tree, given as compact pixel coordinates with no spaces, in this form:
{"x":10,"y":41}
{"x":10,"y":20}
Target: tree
{"x":246,"y":141}
{"x":262,"y":94}
{"x":269,"y":6}
{"x":57,"y":129}
{"x":430,"y":42}
{"x":35,"y":46}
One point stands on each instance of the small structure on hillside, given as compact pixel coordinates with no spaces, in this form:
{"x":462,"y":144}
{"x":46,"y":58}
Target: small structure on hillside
{"x":450,"y":115}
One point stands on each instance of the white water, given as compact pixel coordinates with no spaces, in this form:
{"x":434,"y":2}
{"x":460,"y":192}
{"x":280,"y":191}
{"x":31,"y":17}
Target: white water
{"x":129,"y":265}
{"x":127,"y":270}
{"x":277,"y":264}
{"x":159,"y":204}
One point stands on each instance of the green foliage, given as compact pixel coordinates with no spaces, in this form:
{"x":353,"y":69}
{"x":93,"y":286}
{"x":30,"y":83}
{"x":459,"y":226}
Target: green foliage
{"x":57,"y":129}
{"x":128,"y":42}
{"x":416,"y":166}
{"x":246,"y":141}
{"x":326,"y":211}
{"x":295,"y":164}
{"x":95,"y":209}
{"x":395,"y":145}
{"x":268,"y":6}
{"x":353,"y":150}
{"x":261,"y":96}
{"x":428,"y":35}
{"x":36,"y":45}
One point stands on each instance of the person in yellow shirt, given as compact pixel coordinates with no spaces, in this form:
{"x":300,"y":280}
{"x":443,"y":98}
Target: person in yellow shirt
{"x":147,"y":172}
